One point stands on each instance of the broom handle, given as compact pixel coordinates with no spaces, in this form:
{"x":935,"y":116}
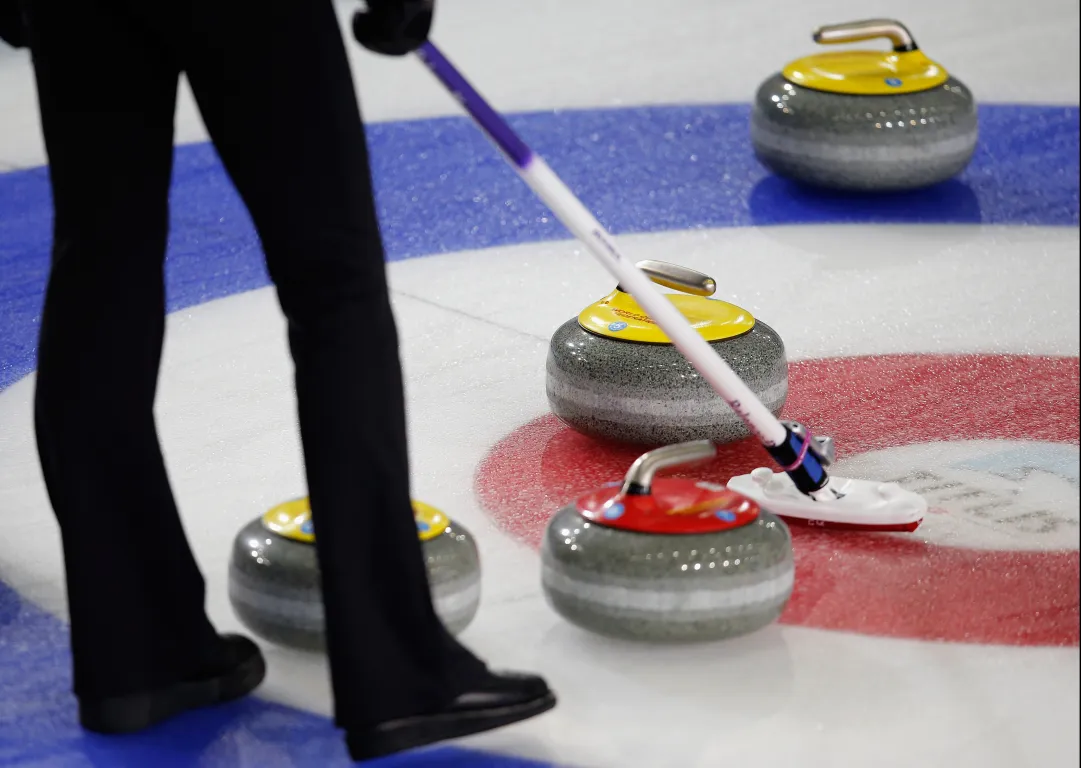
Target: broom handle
{"x":577,"y":218}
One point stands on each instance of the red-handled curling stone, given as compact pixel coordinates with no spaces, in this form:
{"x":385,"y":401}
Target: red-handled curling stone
{"x":667,"y":559}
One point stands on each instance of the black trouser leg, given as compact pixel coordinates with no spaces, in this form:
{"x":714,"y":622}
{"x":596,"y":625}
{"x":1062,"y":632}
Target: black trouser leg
{"x":135,"y":595}
{"x":274,"y":87}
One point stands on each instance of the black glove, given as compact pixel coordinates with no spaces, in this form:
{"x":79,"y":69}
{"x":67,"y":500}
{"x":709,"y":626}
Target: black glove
{"x":392,"y":27}
{"x":12,"y":26}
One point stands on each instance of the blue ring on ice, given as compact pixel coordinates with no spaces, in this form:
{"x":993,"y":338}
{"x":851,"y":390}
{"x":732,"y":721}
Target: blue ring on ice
{"x":442,"y":188}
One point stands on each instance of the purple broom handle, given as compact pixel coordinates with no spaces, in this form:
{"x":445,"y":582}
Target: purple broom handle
{"x":494,"y":125}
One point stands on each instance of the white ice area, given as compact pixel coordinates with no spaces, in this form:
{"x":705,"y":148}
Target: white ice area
{"x":474,"y":329}
{"x":553,"y":54}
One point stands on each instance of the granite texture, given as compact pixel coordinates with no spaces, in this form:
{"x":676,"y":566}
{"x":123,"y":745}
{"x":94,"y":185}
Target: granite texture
{"x":667,"y":588}
{"x":649,"y":394}
{"x":274,"y":584}
{"x":883,"y":143}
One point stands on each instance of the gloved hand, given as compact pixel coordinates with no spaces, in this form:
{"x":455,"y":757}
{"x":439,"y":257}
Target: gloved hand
{"x":392,"y":27}
{"x":12,"y":27}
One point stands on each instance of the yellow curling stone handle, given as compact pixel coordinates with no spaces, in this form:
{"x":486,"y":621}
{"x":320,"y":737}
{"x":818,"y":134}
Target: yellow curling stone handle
{"x":618,"y":316}
{"x":905,"y":69}
{"x":869,"y":29}
{"x":293,"y":520}
{"x":678,"y":278}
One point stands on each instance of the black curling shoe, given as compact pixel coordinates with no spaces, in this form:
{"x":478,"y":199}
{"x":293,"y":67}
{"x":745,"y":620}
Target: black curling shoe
{"x":237,"y":674}
{"x":507,"y":698}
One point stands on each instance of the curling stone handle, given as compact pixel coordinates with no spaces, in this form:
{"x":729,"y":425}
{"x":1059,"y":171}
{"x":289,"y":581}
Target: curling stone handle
{"x":678,"y":278}
{"x":639,"y":480}
{"x":869,"y":29}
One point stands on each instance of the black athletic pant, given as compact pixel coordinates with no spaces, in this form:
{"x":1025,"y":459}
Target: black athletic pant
{"x":274,"y":88}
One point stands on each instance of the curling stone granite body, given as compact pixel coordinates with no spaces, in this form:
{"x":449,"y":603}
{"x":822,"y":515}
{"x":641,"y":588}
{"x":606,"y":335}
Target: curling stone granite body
{"x":649,"y":393}
{"x":883,"y":143}
{"x":274,"y":583}
{"x":865,"y":119}
{"x":651,"y":587}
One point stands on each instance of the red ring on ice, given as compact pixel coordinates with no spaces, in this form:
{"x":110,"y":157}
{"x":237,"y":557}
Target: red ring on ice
{"x":870,"y":583}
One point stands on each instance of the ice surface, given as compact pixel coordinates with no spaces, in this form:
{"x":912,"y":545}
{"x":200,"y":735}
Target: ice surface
{"x":475,"y":327}
{"x":475,"y":372}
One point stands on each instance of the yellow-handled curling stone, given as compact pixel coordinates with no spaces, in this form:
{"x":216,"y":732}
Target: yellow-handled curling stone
{"x":613,"y":373}
{"x":865,"y":119}
{"x":667,"y":559}
{"x":274,"y":577}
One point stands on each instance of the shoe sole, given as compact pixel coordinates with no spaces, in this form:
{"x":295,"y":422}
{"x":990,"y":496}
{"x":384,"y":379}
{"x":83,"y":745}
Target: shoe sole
{"x":128,"y":714}
{"x":414,"y":732}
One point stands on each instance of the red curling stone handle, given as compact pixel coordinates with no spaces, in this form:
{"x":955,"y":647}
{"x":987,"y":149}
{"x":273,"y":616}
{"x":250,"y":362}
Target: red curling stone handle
{"x":639,"y":478}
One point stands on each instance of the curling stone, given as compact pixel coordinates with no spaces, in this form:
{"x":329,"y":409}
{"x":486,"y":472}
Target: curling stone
{"x":667,"y":559}
{"x":865,"y":119}
{"x":274,"y":580}
{"x":613,"y":373}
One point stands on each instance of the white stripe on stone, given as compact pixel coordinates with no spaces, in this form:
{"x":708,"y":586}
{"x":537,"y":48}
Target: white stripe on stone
{"x":682,"y":411}
{"x":456,"y":598}
{"x":836,"y":150}
{"x":303,"y":614}
{"x":673,"y":605}
{"x":305,"y":611}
